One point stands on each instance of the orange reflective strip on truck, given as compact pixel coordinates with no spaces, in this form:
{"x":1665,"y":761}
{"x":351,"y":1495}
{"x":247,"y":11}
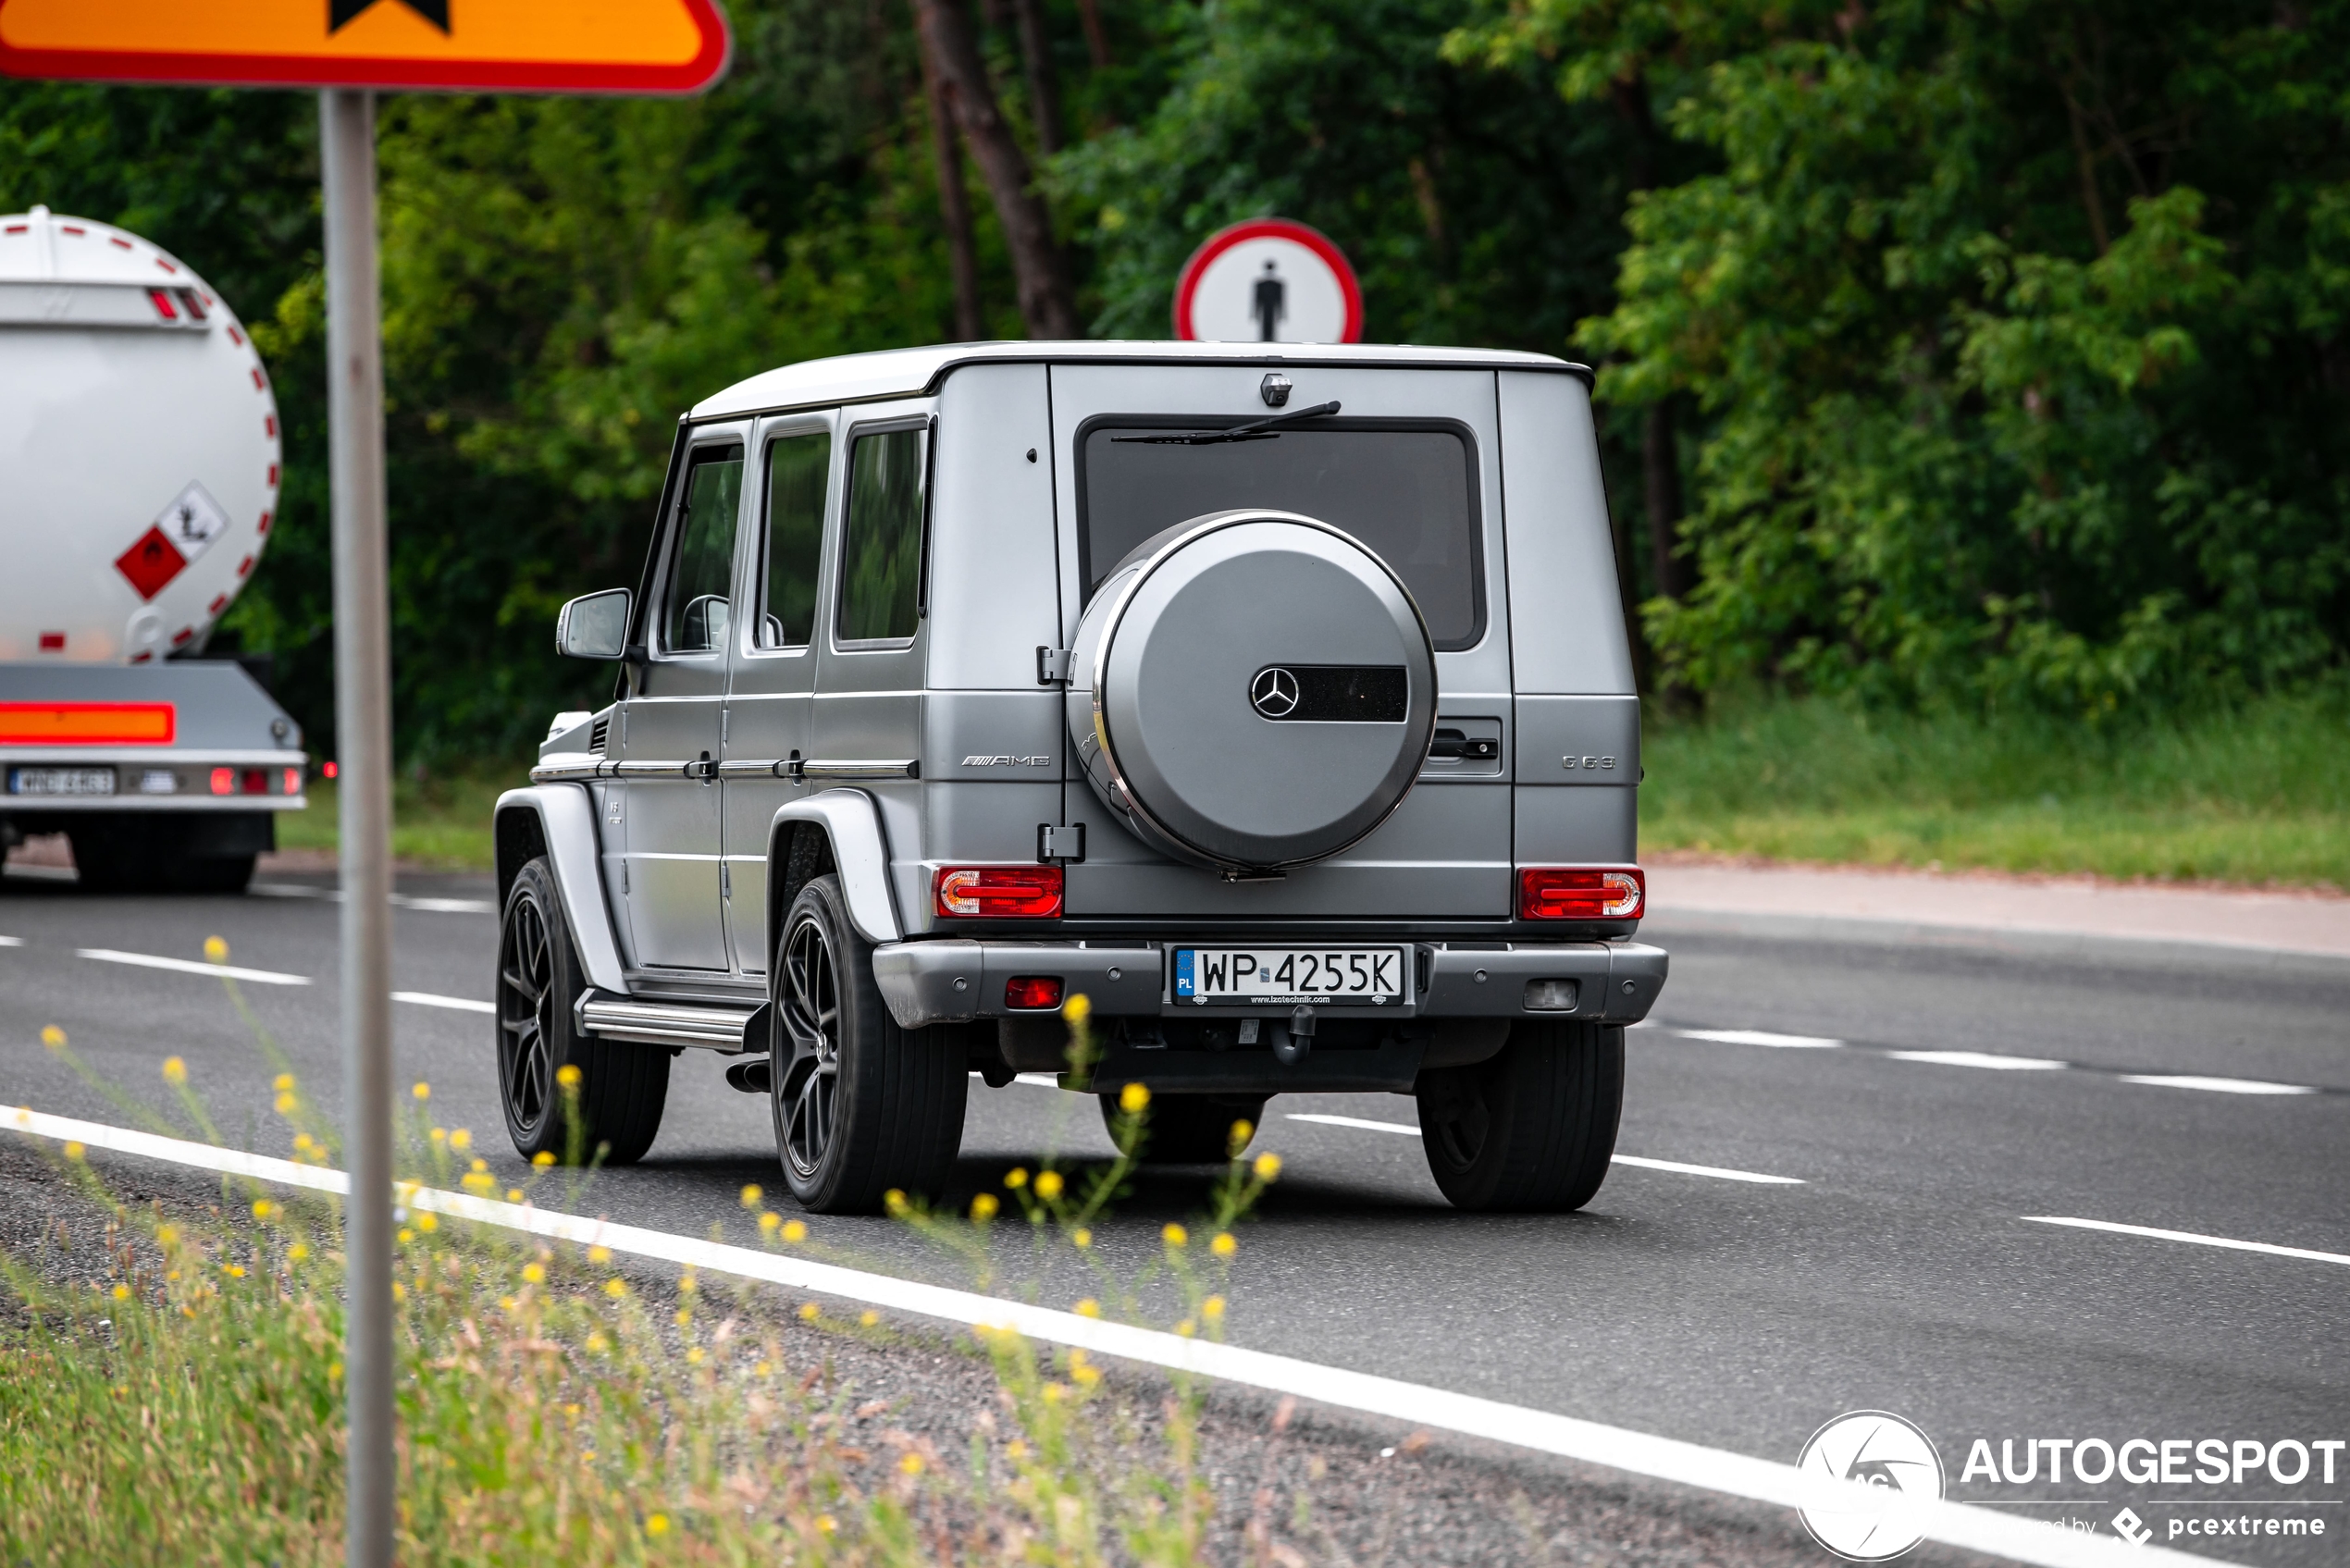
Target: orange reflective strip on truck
{"x":88,"y":723}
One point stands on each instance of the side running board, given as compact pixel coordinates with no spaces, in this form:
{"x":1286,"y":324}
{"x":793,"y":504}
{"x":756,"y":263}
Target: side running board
{"x":714,"y":1026}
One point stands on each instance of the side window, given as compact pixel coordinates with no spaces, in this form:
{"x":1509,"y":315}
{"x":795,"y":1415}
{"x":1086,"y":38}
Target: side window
{"x":696,"y":613}
{"x":881,"y":545}
{"x":797,"y":469}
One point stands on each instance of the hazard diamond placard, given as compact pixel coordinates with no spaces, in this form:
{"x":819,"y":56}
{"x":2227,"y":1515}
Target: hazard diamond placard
{"x":463,"y":45}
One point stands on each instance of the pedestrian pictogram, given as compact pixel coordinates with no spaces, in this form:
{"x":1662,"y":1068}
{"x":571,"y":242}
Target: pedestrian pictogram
{"x":1268,"y":280}
{"x":483,"y":45}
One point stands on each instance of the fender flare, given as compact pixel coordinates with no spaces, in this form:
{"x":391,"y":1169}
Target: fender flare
{"x":564,"y":815}
{"x":852,"y":822}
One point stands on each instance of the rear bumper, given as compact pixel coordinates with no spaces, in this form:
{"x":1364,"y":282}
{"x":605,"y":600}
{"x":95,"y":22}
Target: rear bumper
{"x":957,"y":981}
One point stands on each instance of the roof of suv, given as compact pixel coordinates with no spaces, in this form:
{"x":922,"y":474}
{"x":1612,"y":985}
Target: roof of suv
{"x":904,"y":373}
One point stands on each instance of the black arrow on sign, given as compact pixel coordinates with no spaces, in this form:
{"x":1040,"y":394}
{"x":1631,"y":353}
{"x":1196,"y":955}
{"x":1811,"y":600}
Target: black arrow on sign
{"x":340,"y":12}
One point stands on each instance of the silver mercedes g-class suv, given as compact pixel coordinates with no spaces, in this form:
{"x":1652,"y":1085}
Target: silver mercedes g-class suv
{"x":1278,"y":702}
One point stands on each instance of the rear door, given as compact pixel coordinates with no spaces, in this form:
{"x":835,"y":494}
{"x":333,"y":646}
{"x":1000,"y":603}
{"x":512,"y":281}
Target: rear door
{"x":865,"y":724}
{"x":774,"y":658}
{"x":669,"y":732}
{"x":1410,"y":466}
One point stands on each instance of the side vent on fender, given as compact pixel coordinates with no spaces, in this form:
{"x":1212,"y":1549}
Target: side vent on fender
{"x":596,"y":735}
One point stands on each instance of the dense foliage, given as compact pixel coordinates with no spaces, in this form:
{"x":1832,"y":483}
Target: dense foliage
{"x":1997,"y":345}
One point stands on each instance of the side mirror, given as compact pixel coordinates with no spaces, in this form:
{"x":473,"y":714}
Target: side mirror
{"x":595,"y":625}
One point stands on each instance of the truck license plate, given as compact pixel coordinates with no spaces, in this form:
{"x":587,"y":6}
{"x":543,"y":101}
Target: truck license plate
{"x":1319,"y":976}
{"x":61,"y":780}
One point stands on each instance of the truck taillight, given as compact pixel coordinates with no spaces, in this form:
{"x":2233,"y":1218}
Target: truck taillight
{"x":1001,"y":892}
{"x":293,"y":781}
{"x":1581,"y":893}
{"x":255,"y":781}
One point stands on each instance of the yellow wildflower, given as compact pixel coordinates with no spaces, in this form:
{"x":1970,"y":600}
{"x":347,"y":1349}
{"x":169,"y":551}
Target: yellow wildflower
{"x":532,"y":1274}
{"x":215,"y":949}
{"x":656,"y":1524}
{"x":234,"y":1270}
{"x":283,"y":1083}
{"x":1187,"y":1329}
{"x":460,"y":1140}
{"x":1174,"y":1235}
{"x":1224,"y":1245}
{"x":826,"y":1523}
{"x":1077,"y":1009}
{"x":1268,"y":1166}
{"x":1015,"y":1449}
{"x":770,"y":1220}
{"x":507,"y":1304}
{"x":911,"y":1464}
{"x":285,"y":1105}
{"x":513,"y":1195}
{"x":122,"y":1292}
{"x":685,"y":1316}
{"x":599,"y":1253}
{"x":690,"y":1282}
{"x":1081,"y":1238}
{"x":427,"y":1222}
{"x":263,"y":1208}
{"x":439,"y":1135}
{"x":983,"y":1207}
{"x":1056,"y":1392}
{"x":1212,"y":1309}
{"x":567,"y":1076}
{"x":543,"y":1159}
{"x":615,"y":1288}
{"x":795,"y":1231}
{"x":75,"y":1151}
{"x":1134,"y":1098}
{"x":298,"y":1252}
{"x":174,"y":1070}
{"x":1016,"y":1178}
{"x":53,"y":1037}
{"x":1089,"y":1307}
{"x":1048,"y":1185}
{"x":894,"y":1200}
{"x":694,"y":1356}
{"x":810,"y":1312}
{"x":167,"y":1234}
{"x":421,"y":1092}
{"x":752,"y":1194}
{"x":479,"y":1165}
{"x":406,"y":1236}
{"x":870,"y":1319}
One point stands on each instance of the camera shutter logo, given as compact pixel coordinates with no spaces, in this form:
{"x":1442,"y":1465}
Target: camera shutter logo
{"x":1898,"y":1466}
{"x":1273,"y":693}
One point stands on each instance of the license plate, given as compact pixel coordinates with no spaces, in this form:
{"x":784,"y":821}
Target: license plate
{"x":1287,"y":976}
{"x":61,"y":780}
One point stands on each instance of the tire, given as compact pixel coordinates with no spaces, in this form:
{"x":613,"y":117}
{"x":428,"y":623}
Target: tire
{"x":622,"y":1087}
{"x":1189,"y":1128}
{"x":862,"y":1106}
{"x":1532,"y":1129}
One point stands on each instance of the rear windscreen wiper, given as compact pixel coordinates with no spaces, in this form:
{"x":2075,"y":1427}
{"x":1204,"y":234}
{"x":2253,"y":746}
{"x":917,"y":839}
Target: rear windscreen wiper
{"x":1254,"y":430}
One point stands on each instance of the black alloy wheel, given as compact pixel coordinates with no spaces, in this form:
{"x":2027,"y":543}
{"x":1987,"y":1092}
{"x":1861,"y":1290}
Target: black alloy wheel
{"x":526,"y":994}
{"x":808,"y":1015}
{"x":622,"y":1087}
{"x":862,"y":1107}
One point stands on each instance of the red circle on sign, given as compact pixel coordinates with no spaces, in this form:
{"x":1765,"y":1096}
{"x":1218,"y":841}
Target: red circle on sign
{"x":1223,"y":239}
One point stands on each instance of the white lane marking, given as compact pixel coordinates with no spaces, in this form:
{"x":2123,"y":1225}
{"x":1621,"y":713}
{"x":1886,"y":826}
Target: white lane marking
{"x":401,"y":900}
{"x":1761,"y":1037}
{"x":1979,"y":1060}
{"x":191,"y":966}
{"x":2232,"y":1246}
{"x":1669,"y":1459}
{"x":1353,"y":1121}
{"x":1641,"y":1161}
{"x":1713,"y":1170}
{"x":11,"y":941}
{"x":457,"y":1003}
{"x":2215,"y":1085}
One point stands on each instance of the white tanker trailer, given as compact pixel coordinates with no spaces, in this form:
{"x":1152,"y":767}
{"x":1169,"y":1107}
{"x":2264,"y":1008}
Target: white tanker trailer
{"x":138,"y":469}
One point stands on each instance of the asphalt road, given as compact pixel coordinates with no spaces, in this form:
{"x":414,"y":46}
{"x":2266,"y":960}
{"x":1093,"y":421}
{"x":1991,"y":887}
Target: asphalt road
{"x":1896,"y":1271}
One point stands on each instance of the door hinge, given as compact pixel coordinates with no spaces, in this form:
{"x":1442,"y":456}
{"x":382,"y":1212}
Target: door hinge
{"x":1060,"y":844}
{"x":1053,"y":665}
{"x":725,"y":880}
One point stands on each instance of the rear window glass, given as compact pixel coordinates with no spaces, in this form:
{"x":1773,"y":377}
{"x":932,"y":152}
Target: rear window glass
{"x":1408,"y":493}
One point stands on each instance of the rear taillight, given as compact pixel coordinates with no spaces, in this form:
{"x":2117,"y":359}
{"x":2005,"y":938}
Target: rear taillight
{"x":1033,"y":993}
{"x":998,"y":892}
{"x":1581,"y":893}
{"x":293,"y":781}
{"x":255,"y":781}
{"x":224,"y":781}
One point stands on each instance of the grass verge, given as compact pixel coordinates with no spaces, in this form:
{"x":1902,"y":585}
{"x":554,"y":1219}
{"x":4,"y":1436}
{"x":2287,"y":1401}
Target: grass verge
{"x":440,"y":822}
{"x":2258,"y":795}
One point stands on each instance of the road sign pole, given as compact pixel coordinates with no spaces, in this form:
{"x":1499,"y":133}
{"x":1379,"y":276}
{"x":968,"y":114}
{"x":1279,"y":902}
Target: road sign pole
{"x":362,"y":746}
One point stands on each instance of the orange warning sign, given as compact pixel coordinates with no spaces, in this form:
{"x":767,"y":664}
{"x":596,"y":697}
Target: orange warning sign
{"x":463,"y":45}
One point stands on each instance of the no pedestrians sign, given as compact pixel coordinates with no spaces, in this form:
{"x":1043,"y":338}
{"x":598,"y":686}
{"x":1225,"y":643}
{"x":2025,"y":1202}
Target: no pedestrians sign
{"x":458,"y":45}
{"x":1268,"y":280}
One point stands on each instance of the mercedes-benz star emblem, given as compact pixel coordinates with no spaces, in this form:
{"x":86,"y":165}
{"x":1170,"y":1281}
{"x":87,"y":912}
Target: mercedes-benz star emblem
{"x":1273,"y":693}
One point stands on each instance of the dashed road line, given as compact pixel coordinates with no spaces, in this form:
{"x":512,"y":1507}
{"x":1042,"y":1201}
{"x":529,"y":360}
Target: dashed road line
{"x":455,"y":1004}
{"x":399,"y":900}
{"x":2215,"y":1085}
{"x":191,"y":966}
{"x":1981,"y":1060}
{"x":1762,"y":1037}
{"x":1960,"y":1525}
{"x":1677,"y":1167}
{"x":2229,"y":1243}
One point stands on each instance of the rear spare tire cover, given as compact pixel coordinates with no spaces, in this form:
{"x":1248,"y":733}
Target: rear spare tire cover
{"x":1252,"y":690}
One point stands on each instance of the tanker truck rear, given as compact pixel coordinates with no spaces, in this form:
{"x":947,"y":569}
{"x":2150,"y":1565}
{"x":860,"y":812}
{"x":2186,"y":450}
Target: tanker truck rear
{"x":138,"y":469}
